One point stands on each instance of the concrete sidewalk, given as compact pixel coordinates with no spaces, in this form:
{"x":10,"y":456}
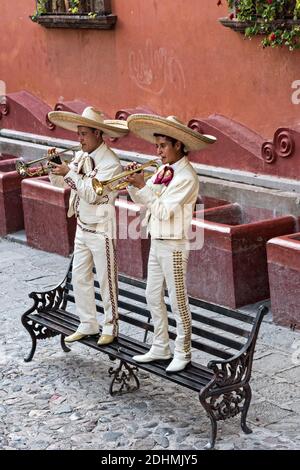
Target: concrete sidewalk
{"x":61,"y":401}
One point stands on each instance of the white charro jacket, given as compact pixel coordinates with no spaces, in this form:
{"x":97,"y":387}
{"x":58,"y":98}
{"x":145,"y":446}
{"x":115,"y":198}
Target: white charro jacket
{"x":87,"y":206}
{"x":169,"y":208}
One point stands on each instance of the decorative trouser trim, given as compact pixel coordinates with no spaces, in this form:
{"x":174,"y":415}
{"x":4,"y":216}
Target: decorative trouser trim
{"x":112,"y":273}
{"x":95,"y":249}
{"x":167,"y":266}
{"x":182,"y":299}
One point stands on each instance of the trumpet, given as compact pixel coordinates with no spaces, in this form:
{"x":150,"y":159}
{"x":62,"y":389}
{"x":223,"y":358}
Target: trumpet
{"x":99,"y":186}
{"x":24,"y":168}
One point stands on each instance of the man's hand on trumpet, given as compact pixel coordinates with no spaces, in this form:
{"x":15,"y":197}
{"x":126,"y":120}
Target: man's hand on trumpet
{"x":55,"y":164}
{"x":51,"y":152}
{"x":59,"y":170}
{"x":136,"y":179}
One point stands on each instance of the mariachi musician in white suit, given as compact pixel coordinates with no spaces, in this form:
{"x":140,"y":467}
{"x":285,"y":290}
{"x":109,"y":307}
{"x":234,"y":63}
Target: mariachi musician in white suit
{"x":170,"y":196}
{"x":95,"y":233}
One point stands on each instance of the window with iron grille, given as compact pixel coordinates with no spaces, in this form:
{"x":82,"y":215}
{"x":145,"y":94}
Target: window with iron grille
{"x":74,"y":14}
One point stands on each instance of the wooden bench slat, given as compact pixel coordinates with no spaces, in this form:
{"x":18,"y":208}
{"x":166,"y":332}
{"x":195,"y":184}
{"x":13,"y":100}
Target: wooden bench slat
{"x":69,"y":318}
{"x":193,"y":301}
{"x":60,"y":321}
{"x":217,"y":338}
{"x":136,"y":322}
{"x":239,"y":316}
{"x":132,"y":296}
{"x":195,"y":344}
{"x":197,"y":302}
{"x":222,"y":310}
{"x":235,"y":330}
{"x":70,"y":298}
{"x":210,"y":350}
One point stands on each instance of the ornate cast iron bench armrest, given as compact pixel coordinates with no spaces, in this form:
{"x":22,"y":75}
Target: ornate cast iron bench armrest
{"x":47,"y":300}
{"x":50,"y":300}
{"x":229,"y":392}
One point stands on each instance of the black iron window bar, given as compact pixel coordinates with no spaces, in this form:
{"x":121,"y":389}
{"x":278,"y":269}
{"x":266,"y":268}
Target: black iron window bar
{"x":94,"y":14}
{"x":71,"y":7}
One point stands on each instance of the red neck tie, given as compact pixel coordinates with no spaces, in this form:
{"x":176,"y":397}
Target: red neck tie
{"x":164,"y":176}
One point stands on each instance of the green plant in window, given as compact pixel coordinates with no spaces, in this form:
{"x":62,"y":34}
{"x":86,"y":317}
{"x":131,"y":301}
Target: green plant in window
{"x":275,"y":19}
{"x":70,"y":7}
{"x":74,"y":6}
{"x":41,"y":8}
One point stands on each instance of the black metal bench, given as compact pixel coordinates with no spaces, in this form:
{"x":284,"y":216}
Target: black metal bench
{"x":229,"y":336}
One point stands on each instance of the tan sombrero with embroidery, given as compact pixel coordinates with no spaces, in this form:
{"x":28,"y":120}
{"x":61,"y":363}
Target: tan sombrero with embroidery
{"x":146,"y":125}
{"x":90,"y":117}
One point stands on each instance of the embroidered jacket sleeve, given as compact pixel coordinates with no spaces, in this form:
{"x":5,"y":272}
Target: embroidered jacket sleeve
{"x":164,"y":208}
{"x":82,"y":184}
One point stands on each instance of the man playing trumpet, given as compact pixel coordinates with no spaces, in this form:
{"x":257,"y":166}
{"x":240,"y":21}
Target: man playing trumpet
{"x":170,"y":196}
{"x":94,"y":241}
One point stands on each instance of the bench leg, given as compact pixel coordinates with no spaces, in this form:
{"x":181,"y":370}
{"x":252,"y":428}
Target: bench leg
{"x":33,"y":339}
{"x":213,"y":421}
{"x":221,"y":406}
{"x":63,"y":344}
{"x":213,"y":432}
{"x":36,"y":331}
{"x":248,"y":395}
{"x":124,"y":379}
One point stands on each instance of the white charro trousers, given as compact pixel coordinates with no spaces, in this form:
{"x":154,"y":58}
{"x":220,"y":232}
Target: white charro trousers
{"x":97,"y":249}
{"x":167,"y":266}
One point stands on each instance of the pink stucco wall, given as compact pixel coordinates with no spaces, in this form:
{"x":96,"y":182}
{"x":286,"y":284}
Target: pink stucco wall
{"x":171,"y":56}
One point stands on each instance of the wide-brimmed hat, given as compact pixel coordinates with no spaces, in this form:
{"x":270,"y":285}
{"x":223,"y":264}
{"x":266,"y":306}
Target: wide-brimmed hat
{"x":146,"y":125}
{"x":90,"y":117}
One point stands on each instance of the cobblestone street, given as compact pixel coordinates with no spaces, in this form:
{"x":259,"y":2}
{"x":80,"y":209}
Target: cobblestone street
{"x":61,"y":401}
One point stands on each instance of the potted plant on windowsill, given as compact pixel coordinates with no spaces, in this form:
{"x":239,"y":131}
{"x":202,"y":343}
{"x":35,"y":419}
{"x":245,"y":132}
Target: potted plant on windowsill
{"x":277,"y":20}
{"x":88,"y":14}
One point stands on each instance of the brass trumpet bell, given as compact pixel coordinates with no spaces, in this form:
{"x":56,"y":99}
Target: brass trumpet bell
{"x":99,"y":186}
{"x":35,"y":167}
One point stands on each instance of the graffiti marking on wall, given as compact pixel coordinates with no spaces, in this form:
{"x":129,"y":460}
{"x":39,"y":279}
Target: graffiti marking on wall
{"x":155,"y":69}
